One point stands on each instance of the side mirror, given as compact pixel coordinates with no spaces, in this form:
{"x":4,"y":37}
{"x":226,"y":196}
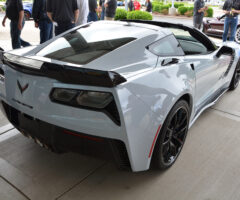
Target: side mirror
{"x":224,"y":50}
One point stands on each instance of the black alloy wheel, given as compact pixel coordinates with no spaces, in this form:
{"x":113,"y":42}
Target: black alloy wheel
{"x":235,"y":79}
{"x":172,"y":136}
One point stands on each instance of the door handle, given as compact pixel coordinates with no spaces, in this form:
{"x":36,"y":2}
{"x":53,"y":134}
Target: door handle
{"x":192,"y":66}
{"x":169,"y":61}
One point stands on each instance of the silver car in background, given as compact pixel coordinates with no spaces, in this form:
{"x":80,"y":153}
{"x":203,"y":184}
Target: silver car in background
{"x":134,"y":87}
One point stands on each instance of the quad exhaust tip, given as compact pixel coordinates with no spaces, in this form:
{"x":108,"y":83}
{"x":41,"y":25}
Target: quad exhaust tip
{"x":37,"y":141}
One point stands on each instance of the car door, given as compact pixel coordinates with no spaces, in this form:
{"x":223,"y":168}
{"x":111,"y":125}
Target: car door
{"x":200,"y":53}
{"x":208,"y":72}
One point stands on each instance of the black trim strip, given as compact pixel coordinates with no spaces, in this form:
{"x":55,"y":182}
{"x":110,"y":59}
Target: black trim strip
{"x":71,"y":74}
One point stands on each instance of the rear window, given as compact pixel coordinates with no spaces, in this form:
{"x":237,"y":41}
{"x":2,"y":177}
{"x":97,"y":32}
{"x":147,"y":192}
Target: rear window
{"x":86,"y":44}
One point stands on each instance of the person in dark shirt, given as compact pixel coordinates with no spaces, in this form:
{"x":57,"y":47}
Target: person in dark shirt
{"x":110,"y":9}
{"x":39,"y":14}
{"x":231,"y":8}
{"x":92,"y":15}
{"x":198,"y":13}
{"x":131,"y":5}
{"x":148,"y":6}
{"x":101,"y":4}
{"x":14,"y":12}
{"x":64,"y":14}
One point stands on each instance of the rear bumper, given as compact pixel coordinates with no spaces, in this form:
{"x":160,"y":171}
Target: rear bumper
{"x":60,"y":140}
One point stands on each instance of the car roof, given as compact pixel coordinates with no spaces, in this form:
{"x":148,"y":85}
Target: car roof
{"x":129,"y":29}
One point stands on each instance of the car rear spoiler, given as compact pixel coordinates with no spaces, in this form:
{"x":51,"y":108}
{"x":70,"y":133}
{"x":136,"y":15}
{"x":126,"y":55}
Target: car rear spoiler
{"x":63,"y":73}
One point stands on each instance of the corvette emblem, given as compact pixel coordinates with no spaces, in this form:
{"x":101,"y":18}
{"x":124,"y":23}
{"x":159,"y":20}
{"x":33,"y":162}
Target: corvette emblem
{"x":22,"y":89}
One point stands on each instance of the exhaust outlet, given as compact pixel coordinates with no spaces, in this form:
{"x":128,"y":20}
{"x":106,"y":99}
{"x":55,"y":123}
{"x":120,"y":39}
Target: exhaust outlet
{"x":38,"y":142}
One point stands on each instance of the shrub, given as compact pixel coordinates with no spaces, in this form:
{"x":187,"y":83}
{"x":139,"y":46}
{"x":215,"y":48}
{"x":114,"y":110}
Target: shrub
{"x":188,"y":13}
{"x":190,"y":9}
{"x":156,"y":7}
{"x":165,"y":11}
{"x":139,"y":15}
{"x":182,"y":10}
{"x":120,"y":14}
{"x":2,"y":8}
{"x":177,"y":5}
{"x":165,"y":6}
{"x":209,"y":12}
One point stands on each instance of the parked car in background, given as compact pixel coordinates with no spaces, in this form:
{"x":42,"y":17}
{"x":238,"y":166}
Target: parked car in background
{"x":27,"y":7}
{"x":215,"y":27}
{"x":133,"y":88}
{"x":120,"y":3}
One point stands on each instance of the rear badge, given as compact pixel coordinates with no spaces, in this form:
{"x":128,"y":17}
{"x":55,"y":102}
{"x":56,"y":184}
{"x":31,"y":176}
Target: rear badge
{"x":22,"y":88}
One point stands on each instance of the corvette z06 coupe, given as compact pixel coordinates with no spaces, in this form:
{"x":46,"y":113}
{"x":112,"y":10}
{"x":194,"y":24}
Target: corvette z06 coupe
{"x":134,"y":87}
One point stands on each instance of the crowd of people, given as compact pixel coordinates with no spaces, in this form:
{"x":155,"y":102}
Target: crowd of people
{"x":63,"y":15}
{"x":66,"y":14}
{"x":231,"y":10}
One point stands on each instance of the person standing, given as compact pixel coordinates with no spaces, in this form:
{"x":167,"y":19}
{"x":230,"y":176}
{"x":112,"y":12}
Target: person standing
{"x":110,"y":9}
{"x":130,"y":5}
{"x":231,"y":8}
{"x":137,"y":5}
{"x":101,"y":5}
{"x":93,"y":9}
{"x":83,"y":12}
{"x":148,"y":6}
{"x":198,"y":13}
{"x":14,"y":12}
{"x":39,"y":14}
{"x":64,"y":14}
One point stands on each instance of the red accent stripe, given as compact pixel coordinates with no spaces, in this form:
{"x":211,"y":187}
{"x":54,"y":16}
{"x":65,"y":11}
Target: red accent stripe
{"x":155,"y":138}
{"x":83,"y":136}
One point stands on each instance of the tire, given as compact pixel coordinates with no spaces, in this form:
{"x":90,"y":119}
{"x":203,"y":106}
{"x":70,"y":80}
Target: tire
{"x":27,"y":15}
{"x":237,"y":35}
{"x":235,"y":79}
{"x":172,"y":136}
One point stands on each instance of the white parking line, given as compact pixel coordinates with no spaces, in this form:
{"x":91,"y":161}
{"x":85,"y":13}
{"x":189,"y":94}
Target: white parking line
{"x":6,"y":128}
{"x":8,"y":134}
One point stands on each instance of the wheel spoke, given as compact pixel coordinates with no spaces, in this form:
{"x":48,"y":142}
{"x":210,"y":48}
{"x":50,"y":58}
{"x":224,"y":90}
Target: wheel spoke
{"x":175,"y":121}
{"x":173,"y":149}
{"x":183,"y":120}
{"x":180,"y":142}
{"x":166,"y":142}
{"x":179,"y":133}
{"x":165,"y":149}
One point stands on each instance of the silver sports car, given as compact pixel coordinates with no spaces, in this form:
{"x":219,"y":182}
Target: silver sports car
{"x":128,"y":89}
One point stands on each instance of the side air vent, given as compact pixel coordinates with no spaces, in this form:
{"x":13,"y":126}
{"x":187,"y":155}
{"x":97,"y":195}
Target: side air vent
{"x":230,"y":64}
{"x":1,"y":72}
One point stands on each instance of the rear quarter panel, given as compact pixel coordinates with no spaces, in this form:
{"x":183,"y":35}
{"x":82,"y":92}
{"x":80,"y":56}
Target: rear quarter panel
{"x":145,"y":101}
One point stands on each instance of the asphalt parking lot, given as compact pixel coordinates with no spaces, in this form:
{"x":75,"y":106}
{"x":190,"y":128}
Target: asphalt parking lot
{"x":207,"y":169}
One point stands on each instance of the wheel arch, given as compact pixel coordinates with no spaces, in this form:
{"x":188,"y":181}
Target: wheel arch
{"x":186,"y":97}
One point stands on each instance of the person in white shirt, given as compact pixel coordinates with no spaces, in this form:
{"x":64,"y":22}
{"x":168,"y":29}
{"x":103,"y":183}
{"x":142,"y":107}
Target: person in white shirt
{"x":83,"y":12}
